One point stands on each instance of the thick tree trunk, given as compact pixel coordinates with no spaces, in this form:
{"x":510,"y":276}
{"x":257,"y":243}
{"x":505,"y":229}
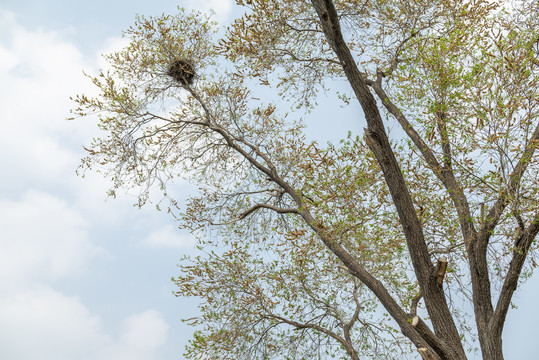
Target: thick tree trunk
{"x":377,"y":140}
{"x":491,"y":346}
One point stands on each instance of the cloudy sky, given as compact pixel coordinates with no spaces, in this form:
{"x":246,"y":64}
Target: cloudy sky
{"x":82,"y":276}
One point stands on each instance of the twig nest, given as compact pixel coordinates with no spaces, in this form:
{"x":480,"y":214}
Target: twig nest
{"x":182,"y":71}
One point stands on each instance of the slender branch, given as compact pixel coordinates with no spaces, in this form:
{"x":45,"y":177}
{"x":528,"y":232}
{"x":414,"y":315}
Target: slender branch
{"x":396,"y":60}
{"x":330,"y":309}
{"x":348,"y":346}
{"x":443,"y":173}
{"x":300,"y":30}
{"x":266,"y":206}
{"x":311,"y":60}
{"x":520,"y":252}
{"x":509,"y":192}
{"x":231,"y":140}
{"x":355,"y":316}
{"x":415,"y":302}
{"x":444,"y":136}
{"x":447,"y":250}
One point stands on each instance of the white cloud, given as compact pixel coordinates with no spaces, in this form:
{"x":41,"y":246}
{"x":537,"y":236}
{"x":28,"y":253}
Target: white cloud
{"x":45,"y":237}
{"x":39,"y":71}
{"x":42,"y":238}
{"x":169,"y":236}
{"x":144,"y":331}
{"x":44,"y":324}
{"x":111,"y":45}
{"x":42,"y":70}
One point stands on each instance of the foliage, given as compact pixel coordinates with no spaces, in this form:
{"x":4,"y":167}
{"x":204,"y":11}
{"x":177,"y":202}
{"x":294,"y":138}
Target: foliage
{"x":337,"y":251}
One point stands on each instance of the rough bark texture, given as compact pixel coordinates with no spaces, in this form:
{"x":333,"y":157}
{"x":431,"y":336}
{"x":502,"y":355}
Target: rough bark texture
{"x":445,"y":341}
{"x":377,"y":140}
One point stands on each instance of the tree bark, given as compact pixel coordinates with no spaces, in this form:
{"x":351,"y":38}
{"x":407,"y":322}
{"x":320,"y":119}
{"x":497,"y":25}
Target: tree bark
{"x":378,"y":141}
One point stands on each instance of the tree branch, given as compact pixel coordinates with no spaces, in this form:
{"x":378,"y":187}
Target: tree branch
{"x":443,"y":173}
{"x":444,"y":138}
{"x":348,"y":346}
{"x":377,"y":140}
{"x":355,"y":316}
{"x":520,"y":252}
{"x":440,"y":271}
{"x":477,"y":255}
{"x":508,"y":193}
{"x":415,"y":302}
{"x":266,"y":206}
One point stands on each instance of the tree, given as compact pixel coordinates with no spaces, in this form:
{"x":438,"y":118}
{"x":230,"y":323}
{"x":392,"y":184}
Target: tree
{"x":367,"y":248}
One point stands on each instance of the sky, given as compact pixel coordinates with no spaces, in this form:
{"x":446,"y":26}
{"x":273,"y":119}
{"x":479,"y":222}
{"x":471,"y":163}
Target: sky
{"x":83,"y":276}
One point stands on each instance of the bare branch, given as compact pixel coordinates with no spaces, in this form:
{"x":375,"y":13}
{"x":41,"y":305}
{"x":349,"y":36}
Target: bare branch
{"x":348,"y":346}
{"x":415,"y":302}
{"x":520,"y":252}
{"x":508,"y":193}
{"x":443,"y":173}
{"x":266,"y":206}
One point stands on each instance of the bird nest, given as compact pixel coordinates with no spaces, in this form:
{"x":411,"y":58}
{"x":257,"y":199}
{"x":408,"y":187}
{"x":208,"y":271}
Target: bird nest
{"x":182,"y":71}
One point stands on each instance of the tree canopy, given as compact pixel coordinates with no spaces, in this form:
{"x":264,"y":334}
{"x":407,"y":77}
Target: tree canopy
{"x":385,"y":245}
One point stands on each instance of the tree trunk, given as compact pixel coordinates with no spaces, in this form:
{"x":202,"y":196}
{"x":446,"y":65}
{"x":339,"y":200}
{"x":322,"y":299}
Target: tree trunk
{"x":377,"y":140}
{"x":491,"y":346}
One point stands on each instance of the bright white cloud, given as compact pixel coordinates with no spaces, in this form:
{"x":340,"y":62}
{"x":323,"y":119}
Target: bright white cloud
{"x":169,"y":236}
{"x":44,"y":324}
{"x":45,"y":237}
{"x":42,"y":238}
{"x":39,"y":71}
{"x":144,"y":331}
{"x":42,"y":70}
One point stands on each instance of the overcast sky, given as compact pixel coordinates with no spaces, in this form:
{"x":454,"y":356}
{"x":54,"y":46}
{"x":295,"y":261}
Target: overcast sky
{"x":81,"y":277}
